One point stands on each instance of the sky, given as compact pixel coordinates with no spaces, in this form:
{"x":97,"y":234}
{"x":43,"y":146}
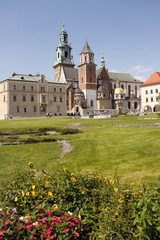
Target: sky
{"x":127,"y":32}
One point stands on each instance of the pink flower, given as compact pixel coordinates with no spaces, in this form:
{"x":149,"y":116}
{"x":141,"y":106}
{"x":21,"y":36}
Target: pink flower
{"x":43,"y":220}
{"x":44,"y":226}
{"x":58,"y":220}
{"x":75,"y":220}
{"x":1,"y":233}
{"x":6,"y":223}
{"x":19,"y":229}
{"x":49,"y":213}
{"x":66,"y":230}
{"x":50,"y":228}
{"x":51,"y":237}
{"x":77,"y":234}
{"x":48,"y":232}
{"x":71,"y":223}
{"x":29,"y":226}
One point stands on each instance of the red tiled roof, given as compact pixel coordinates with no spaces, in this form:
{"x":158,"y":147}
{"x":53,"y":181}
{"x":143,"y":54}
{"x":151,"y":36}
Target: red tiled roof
{"x":153,"y":79}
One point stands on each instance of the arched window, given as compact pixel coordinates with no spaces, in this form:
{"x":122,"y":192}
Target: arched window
{"x":115,"y":85}
{"x":129,"y":105}
{"x":135,"y":105}
{"x":122,"y":86}
{"x":129,"y":90}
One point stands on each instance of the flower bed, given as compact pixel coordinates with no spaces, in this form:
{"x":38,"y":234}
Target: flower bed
{"x":77,"y":206}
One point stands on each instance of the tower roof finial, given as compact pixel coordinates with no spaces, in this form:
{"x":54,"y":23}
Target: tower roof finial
{"x":102,"y":60}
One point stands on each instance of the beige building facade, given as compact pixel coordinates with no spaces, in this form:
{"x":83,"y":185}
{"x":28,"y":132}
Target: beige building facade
{"x":31,"y":96}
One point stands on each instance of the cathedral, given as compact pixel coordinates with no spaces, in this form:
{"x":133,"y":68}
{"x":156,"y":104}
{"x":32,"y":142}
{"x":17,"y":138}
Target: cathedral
{"x":92,"y":91}
{"x":86,"y":90}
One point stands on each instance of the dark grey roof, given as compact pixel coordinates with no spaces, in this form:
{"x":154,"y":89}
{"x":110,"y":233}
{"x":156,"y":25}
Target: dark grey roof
{"x":71,"y":74}
{"x":102,"y":89}
{"x":86,"y":49}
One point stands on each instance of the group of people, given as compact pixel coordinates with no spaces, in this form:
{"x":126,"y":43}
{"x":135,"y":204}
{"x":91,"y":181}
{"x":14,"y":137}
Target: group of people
{"x":49,"y":114}
{"x":8,"y":117}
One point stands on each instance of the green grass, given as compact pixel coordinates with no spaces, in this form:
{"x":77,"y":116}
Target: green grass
{"x":132,"y":152}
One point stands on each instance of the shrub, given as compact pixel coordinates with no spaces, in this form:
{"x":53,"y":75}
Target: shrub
{"x":69,"y":205}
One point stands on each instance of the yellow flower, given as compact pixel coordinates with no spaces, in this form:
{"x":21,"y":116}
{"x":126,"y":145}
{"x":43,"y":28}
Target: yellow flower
{"x":30,"y":164}
{"x":27,"y":194}
{"x":115,"y":189}
{"x":121,"y":200}
{"x":79,"y":216}
{"x":33,"y":187}
{"x":40,"y":196}
{"x":23,"y":193}
{"x":72,"y":174}
{"x":55,"y":207}
{"x":111,"y":181}
{"x":132,"y":184}
{"x":116,"y":213}
{"x":73,"y":179}
{"x":64,"y":170}
{"x":106,"y":209}
{"x":50,"y":194}
{"x":16,"y":199}
{"x":33,"y":193}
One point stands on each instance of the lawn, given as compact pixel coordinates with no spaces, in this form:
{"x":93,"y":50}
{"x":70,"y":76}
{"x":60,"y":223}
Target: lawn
{"x":131,"y":152}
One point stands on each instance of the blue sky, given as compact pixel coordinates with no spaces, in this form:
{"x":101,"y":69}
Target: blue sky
{"x":126,"y":31}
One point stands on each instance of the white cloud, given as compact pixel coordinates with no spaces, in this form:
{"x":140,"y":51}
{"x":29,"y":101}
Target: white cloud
{"x":141,"y":69}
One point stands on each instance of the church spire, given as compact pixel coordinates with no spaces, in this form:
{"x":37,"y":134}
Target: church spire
{"x":63,"y":50}
{"x":102,"y":60}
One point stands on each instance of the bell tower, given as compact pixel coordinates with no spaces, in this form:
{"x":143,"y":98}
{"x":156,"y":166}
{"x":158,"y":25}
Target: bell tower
{"x":63,"y":55}
{"x":87,"y":76}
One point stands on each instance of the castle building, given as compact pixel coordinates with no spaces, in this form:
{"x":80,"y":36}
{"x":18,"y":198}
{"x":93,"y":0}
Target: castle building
{"x":82,"y":90}
{"x":91,"y":90}
{"x":150,"y":91}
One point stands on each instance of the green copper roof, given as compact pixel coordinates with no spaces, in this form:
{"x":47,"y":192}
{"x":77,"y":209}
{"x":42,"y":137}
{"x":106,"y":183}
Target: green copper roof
{"x":124,"y":77}
{"x":86,"y":49}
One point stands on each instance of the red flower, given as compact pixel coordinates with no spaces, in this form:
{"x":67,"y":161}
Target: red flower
{"x":71,"y":223}
{"x":49,"y":213}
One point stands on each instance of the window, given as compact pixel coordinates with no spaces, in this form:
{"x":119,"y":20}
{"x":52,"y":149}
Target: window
{"x":54,"y":89}
{"x":82,"y":79}
{"x":156,"y":90}
{"x":24,"y":87}
{"x":122,"y":86}
{"x":152,"y":99}
{"x":90,"y":79}
{"x":146,"y":91}
{"x":55,"y":99}
{"x":43,"y":98}
{"x":14,"y":87}
{"x":151,"y":91}
{"x":25,"y":109}
{"x":4,"y":87}
{"x":32,"y":88}
{"x":129,"y":90}
{"x":18,"y":109}
{"x":42,"y":89}
{"x":4,"y":98}
{"x":129,"y":105}
{"x":157,"y":99}
{"x":60,"y":99}
{"x":34,"y":109}
{"x":23,"y":98}
{"x":136,"y":91}
{"x":115,"y":85}
{"x":91,"y":103}
{"x":135,"y":105}
{"x":32,"y":98}
{"x":146,"y":99}
{"x":60,"y":89}
{"x":14,"y":98}
{"x":66,"y":54}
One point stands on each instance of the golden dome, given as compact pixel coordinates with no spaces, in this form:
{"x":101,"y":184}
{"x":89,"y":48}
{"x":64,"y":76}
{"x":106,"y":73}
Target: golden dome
{"x":119,"y":90}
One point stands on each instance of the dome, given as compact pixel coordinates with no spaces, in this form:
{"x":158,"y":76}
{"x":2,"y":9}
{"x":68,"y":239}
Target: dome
{"x":119,"y":91}
{"x":78,"y":91}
